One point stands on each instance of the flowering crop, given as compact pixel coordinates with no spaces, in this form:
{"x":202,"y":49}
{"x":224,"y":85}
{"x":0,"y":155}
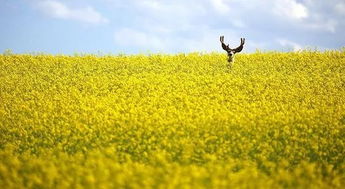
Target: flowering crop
{"x":274,"y":120}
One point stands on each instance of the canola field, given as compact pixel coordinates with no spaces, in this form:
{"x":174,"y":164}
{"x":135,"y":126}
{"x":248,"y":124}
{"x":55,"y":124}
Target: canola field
{"x":274,"y":120}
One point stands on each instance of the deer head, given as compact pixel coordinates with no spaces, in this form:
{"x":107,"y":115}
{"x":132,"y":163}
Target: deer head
{"x":231,"y":52}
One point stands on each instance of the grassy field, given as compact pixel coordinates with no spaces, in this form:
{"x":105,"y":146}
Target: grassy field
{"x":274,"y":120}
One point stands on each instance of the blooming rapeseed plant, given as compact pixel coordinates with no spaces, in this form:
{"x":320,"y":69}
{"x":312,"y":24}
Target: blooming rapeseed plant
{"x":274,"y":120}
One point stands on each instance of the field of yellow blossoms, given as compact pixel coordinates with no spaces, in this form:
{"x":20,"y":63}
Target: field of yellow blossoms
{"x":274,"y":120}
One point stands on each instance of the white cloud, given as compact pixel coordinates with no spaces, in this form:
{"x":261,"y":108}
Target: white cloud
{"x":193,"y":25}
{"x":220,"y":5}
{"x":206,"y":41}
{"x":57,"y":9}
{"x":239,"y":23}
{"x":340,"y":8}
{"x":152,"y":4}
{"x":321,"y":25}
{"x":290,"y":44}
{"x":290,"y":9}
{"x":138,"y":39}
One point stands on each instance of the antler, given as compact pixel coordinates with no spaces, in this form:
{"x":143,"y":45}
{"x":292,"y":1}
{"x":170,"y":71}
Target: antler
{"x":239,"y":48}
{"x":225,"y":47}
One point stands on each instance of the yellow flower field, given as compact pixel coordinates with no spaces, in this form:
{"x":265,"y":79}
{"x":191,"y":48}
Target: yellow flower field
{"x":274,"y":120}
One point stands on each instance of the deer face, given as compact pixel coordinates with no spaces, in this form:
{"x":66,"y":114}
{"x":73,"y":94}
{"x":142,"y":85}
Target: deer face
{"x":231,"y":55}
{"x":231,"y":52}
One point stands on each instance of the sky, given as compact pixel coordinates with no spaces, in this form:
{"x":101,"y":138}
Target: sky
{"x":169,"y":26}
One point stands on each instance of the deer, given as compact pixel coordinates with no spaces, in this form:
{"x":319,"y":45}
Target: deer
{"x":231,"y":52}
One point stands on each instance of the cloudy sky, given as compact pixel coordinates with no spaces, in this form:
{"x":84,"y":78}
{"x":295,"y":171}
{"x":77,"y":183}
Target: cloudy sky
{"x":169,"y":26}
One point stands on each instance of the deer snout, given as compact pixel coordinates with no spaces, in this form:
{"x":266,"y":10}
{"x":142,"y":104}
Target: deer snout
{"x":231,"y":53}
